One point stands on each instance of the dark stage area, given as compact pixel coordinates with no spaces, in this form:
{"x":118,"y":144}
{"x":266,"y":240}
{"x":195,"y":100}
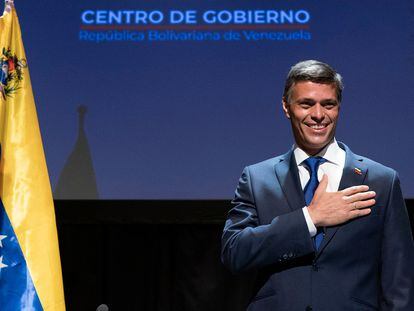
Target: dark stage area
{"x":149,"y":255}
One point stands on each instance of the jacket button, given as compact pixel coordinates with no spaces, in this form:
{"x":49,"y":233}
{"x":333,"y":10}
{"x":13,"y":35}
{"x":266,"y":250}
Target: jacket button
{"x":309,"y":308}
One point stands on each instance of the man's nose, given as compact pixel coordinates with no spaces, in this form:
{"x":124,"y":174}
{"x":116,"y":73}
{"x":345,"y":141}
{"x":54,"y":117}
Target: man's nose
{"x":317,"y":112}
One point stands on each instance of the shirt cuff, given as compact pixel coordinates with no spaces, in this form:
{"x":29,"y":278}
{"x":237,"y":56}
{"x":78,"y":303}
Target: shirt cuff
{"x":311,"y":227}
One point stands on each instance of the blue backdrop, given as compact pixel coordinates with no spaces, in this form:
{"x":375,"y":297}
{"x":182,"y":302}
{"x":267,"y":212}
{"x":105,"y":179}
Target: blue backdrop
{"x":177,"y":107}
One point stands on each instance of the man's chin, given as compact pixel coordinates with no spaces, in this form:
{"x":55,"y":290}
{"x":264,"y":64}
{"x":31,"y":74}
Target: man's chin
{"x":313,"y":147}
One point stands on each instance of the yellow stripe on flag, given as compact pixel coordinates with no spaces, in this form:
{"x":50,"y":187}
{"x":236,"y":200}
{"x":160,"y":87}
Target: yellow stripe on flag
{"x":24,"y":181}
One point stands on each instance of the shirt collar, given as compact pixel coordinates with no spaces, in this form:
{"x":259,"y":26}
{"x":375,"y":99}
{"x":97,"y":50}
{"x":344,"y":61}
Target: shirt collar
{"x":331,"y":152}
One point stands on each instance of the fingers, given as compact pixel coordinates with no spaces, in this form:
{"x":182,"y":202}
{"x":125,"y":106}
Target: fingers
{"x":361,"y":196}
{"x":354,"y":189}
{"x":359,"y":212}
{"x":361,"y":204}
{"x":323,"y":184}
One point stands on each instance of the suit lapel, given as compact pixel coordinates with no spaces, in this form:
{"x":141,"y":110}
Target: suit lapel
{"x":354,"y":174}
{"x":288,"y":176}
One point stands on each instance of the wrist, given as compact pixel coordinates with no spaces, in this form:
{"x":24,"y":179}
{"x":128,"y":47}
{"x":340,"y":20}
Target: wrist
{"x":313,"y":215}
{"x":311,"y":227}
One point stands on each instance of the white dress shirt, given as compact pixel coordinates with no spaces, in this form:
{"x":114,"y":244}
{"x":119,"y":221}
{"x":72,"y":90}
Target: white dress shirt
{"x":333,"y":167}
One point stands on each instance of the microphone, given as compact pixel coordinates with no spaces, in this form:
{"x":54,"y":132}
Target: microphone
{"x":102,"y":307}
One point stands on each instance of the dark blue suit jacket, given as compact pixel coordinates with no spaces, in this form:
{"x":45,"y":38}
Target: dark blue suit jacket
{"x":364,"y":264}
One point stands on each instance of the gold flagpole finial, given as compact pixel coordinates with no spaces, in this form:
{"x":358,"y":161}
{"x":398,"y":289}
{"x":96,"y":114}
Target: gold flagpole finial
{"x":8,"y":6}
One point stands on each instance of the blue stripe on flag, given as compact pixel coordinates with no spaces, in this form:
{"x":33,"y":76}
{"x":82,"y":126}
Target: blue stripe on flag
{"x":17,"y":291}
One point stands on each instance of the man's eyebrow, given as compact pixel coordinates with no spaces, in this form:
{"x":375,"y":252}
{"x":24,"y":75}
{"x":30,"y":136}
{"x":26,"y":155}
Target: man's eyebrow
{"x":312,"y":100}
{"x":329,"y":101}
{"x":300,"y":100}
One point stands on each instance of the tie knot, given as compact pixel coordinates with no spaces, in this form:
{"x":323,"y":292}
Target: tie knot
{"x":313,"y":163}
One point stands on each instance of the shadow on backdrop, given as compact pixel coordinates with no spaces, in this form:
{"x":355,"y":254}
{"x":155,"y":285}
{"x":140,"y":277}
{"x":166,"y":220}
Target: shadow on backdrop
{"x":77,"y":179}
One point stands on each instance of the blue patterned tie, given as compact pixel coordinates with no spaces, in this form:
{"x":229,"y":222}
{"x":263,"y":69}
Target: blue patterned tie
{"x":312,"y":164}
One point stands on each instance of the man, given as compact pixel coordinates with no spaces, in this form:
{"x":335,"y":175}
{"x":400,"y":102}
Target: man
{"x":324,"y":228}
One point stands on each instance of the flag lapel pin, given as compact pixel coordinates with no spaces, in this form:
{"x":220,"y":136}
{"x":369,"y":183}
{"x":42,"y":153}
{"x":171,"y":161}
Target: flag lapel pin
{"x":357,"y":171}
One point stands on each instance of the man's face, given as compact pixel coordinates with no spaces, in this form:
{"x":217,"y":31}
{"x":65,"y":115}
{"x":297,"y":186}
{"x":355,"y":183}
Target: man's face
{"x":313,"y":111}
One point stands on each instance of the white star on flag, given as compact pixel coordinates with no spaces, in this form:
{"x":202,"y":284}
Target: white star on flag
{"x":1,"y":238}
{"x":2,"y":265}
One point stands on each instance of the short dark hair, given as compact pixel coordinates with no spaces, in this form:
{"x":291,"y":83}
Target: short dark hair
{"x":314,"y":71}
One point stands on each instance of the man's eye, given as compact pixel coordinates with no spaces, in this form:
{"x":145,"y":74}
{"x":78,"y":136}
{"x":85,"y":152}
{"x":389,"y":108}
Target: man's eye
{"x":329,"y":105}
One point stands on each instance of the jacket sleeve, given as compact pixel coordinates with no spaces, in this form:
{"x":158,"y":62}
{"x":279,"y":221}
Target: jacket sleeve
{"x":397,"y":264}
{"x":247,"y":244}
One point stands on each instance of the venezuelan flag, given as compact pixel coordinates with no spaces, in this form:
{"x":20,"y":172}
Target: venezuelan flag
{"x":30,"y":272}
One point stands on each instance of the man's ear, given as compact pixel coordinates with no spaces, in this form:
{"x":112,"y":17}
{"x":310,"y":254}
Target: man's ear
{"x":285,"y":107}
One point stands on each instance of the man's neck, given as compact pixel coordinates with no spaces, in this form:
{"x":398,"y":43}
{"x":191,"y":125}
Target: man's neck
{"x":331,"y":152}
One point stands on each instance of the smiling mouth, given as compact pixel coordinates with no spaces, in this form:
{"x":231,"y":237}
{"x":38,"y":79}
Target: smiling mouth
{"x":318,"y":126}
